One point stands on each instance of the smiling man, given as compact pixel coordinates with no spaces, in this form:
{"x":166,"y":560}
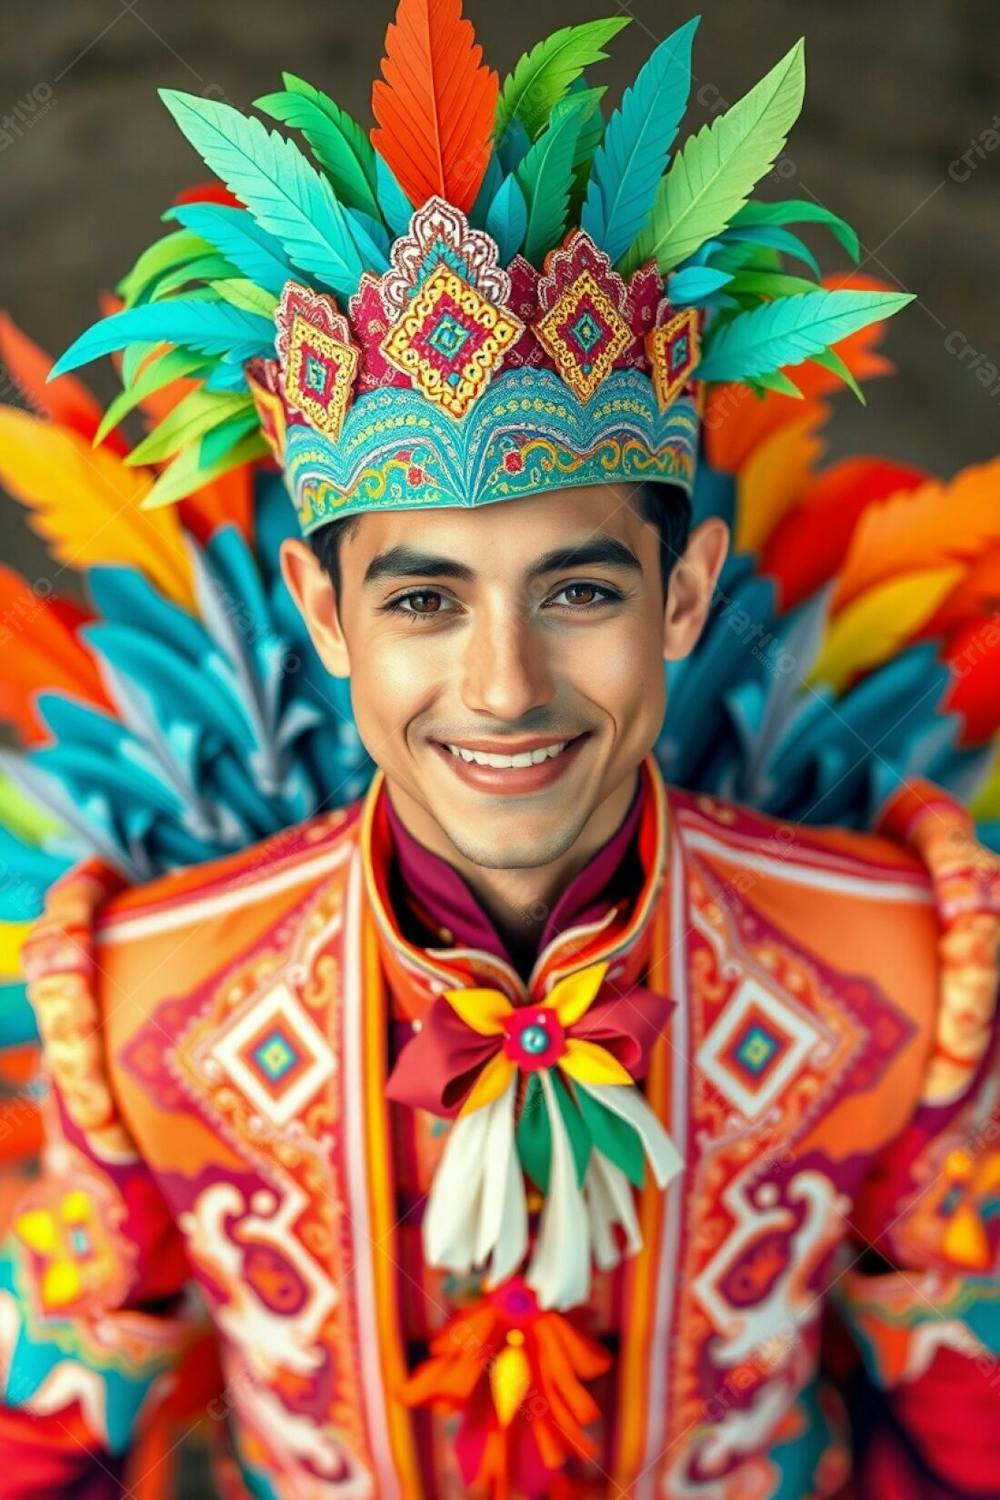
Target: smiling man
{"x":506,"y":668}
{"x":525,"y":1126}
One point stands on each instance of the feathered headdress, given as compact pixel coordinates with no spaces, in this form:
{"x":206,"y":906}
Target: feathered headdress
{"x":493,"y":294}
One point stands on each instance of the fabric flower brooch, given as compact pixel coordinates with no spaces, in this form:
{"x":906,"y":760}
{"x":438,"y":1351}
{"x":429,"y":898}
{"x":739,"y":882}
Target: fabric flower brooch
{"x":544,"y":1090}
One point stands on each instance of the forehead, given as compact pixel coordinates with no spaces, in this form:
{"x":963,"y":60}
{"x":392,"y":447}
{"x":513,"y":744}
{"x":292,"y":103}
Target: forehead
{"x":505,"y":531}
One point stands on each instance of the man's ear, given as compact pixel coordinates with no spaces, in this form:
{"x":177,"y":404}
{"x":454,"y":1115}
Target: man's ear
{"x":309,"y":585}
{"x":692,"y":585}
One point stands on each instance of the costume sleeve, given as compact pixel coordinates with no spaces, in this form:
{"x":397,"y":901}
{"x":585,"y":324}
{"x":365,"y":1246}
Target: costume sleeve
{"x":921,"y":1297}
{"x":96,"y":1306}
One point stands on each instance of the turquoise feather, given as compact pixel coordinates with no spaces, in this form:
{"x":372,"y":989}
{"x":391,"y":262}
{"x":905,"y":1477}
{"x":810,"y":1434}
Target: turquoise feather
{"x":397,"y":210}
{"x":799,"y":211}
{"x":694,"y":284}
{"x":790,"y":330}
{"x":254,"y":252}
{"x":284,"y":193}
{"x":206,"y":327}
{"x":773,"y":238}
{"x":507,"y":219}
{"x":631,"y":159}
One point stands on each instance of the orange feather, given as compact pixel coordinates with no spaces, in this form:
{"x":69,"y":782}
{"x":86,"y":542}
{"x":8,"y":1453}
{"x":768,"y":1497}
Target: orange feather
{"x":45,"y":655}
{"x":935,"y":524}
{"x":66,"y":400}
{"x":436,"y":106}
{"x":808,"y":544}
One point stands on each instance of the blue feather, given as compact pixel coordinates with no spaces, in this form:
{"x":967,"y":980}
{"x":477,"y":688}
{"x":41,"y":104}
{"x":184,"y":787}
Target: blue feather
{"x":370,"y":237}
{"x":630,"y":161}
{"x":492,"y":179}
{"x":513,"y":147}
{"x":507,"y":220}
{"x":206,"y":327}
{"x":254,"y":252}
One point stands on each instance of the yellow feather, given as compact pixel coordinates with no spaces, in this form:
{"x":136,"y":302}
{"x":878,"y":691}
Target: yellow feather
{"x":874,"y":627}
{"x":773,"y":478}
{"x":933,"y":524}
{"x":85,"y":503}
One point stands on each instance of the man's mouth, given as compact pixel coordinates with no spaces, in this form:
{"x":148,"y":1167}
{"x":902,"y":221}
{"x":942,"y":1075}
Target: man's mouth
{"x":522,"y":765}
{"x":520,"y":759}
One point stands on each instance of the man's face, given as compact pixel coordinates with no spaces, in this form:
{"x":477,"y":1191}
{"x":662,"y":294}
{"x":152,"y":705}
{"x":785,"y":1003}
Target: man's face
{"x":534,"y":630}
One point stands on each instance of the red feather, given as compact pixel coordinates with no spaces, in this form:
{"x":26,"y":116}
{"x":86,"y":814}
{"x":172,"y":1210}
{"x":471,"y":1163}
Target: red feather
{"x":974,"y":657}
{"x":45,"y":656}
{"x":808,"y":545}
{"x":436,"y":107}
{"x":208,"y":192}
{"x":66,"y":400}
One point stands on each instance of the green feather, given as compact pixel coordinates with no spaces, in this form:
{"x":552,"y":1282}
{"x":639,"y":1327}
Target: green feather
{"x":790,"y":330}
{"x":799,"y":211}
{"x":546,"y":177}
{"x":285,"y":194}
{"x":194,"y":414}
{"x":240,"y":292}
{"x":165,"y":254}
{"x":837,"y":365}
{"x":207,"y":268}
{"x":185,"y":474}
{"x":715,"y":171}
{"x":543,"y":75}
{"x":766,"y":285}
{"x":216,"y":444}
{"x":159,"y":372}
{"x":338,"y":142}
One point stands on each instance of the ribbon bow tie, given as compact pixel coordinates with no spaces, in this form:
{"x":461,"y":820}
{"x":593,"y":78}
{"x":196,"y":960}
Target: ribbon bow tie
{"x":474,"y":1041}
{"x":543,"y":1090}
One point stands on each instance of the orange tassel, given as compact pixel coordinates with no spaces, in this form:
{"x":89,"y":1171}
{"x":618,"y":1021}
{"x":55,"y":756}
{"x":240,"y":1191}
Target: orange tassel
{"x":437,"y":104}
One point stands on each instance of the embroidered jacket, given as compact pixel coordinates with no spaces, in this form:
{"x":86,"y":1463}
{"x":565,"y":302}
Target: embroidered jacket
{"x":228,"y":1219}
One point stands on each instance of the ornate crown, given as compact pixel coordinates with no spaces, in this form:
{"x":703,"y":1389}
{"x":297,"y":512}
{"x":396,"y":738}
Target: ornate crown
{"x":495,"y":294}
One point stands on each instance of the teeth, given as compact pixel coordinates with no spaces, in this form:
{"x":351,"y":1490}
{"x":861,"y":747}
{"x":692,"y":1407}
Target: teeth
{"x":509,"y":762}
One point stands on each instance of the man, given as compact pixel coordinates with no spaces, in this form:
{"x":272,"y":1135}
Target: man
{"x":514,"y":1128}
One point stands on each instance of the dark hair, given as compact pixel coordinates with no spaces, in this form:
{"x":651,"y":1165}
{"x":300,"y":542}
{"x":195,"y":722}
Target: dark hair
{"x":664,"y":506}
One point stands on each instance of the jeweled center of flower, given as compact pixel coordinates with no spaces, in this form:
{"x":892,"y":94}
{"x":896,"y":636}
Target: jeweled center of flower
{"x":535,"y":1038}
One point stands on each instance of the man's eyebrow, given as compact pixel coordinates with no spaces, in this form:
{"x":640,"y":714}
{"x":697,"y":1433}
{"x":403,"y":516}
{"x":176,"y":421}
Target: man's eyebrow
{"x":405,"y":562}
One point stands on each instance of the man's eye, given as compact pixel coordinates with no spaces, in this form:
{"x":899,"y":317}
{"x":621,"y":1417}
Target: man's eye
{"x":418,"y":604}
{"x":587,"y":595}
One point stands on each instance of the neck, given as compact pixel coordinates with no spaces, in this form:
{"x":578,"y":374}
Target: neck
{"x":514,"y":897}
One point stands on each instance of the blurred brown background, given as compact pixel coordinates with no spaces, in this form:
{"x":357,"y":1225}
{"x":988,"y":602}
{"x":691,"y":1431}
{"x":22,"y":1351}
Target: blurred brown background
{"x":900,"y":134}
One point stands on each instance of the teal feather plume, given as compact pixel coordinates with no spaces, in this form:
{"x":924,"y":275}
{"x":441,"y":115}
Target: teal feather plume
{"x":206,"y":327}
{"x":507,"y":219}
{"x":790,"y":330}
{"x":396,"y":208}
{"x":338,"y":143}
{"x":285,"y":194}
{"x":632,"y":157}
{"x":237,"y":236}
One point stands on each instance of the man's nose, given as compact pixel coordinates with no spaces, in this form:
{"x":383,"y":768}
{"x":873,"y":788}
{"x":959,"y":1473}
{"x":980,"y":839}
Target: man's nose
{"x":507,"y":669}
